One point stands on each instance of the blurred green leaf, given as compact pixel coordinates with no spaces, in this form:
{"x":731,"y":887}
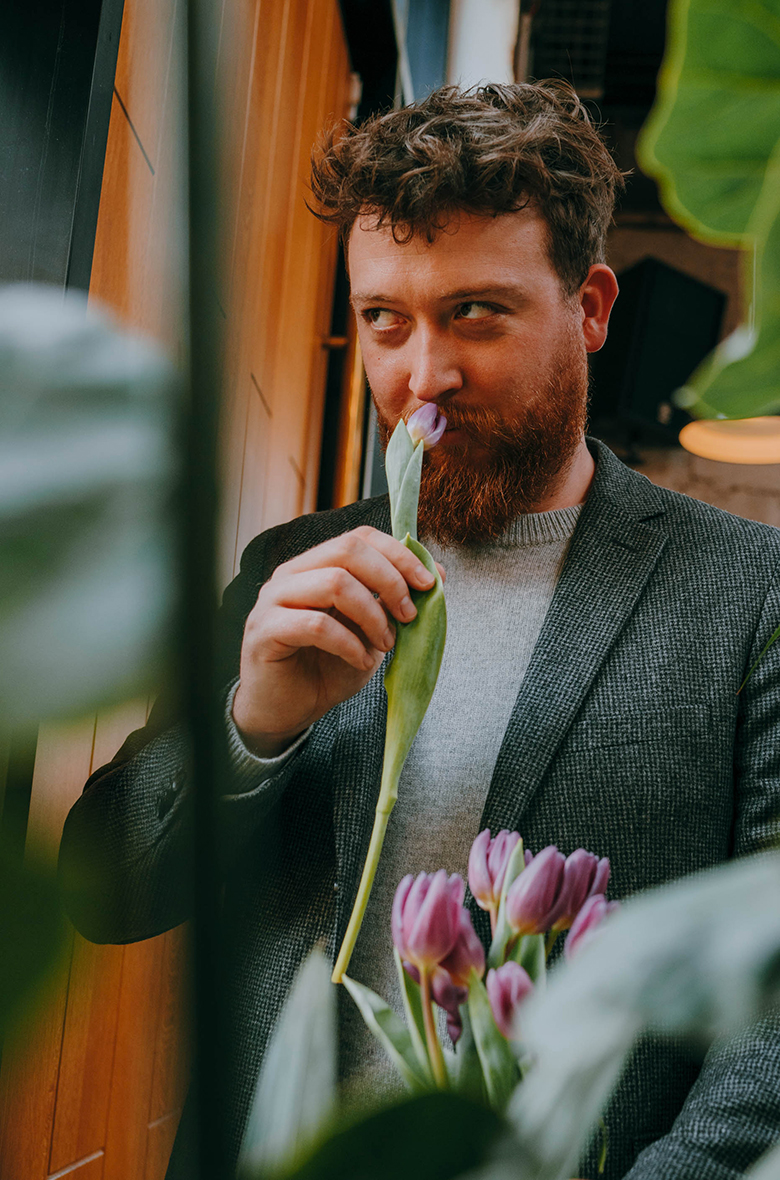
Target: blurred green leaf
{"x":499,"y":1068}
{"x":438,"y":1136}
{"x":391,"y":1032}
{"x":698,"y":958}
{"x":86,"y":472}
{"x":712,"y":144}
{"x":295,"y":1094}
{"x":33,"y":933}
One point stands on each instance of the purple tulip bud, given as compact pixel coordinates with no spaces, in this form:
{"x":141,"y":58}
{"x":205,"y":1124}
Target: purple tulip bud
{"x":427,"y":425}
{"x":583,"y":876}
{"x":533,"y":895}
{"x":467,"y":954}
{"x":507,"y":987}
{"x":449,"y":995}
{"x":592,"y":914}
{"x":488,"y":860}
{"x":426,"y":917}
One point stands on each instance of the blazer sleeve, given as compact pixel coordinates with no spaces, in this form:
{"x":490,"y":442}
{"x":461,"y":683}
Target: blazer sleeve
{"x":124,"y":861}
{"x":732,"y":1112}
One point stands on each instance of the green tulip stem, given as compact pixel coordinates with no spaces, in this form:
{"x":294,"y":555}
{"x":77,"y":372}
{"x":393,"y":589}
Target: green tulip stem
{"x":388,"y":795}
{"x":431,"y":1037}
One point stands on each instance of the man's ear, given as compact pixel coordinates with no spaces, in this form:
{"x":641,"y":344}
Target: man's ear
{"x":597,"y":294}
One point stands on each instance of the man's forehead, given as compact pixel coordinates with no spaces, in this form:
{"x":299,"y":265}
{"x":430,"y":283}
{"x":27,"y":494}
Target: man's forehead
{"x":470,"y":251}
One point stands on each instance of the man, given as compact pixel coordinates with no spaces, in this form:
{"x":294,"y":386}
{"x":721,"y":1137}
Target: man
{"x":599,"y":627}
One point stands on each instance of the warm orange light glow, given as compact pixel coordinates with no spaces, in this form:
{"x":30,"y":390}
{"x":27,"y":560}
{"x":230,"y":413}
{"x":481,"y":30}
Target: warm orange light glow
{"x":739,"y":440}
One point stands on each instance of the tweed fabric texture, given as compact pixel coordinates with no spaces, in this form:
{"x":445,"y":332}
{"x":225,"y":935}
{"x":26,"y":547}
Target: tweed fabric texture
{"x":627,"y":736}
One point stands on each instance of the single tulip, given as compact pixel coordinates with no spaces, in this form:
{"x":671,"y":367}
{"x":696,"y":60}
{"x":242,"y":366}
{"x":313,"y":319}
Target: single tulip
{"x":533,"y":895}
{"x":426,"y":425}
{"x":467,"y":955}
{"x":583,"y":876}
{"x":592,"y":914}
{"x":507,"y":987}
{"x":426,"y":917}
{"x":488,"y":859}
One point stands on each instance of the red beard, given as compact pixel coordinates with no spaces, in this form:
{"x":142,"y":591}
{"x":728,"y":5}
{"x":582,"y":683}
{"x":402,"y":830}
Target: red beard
{"x":519,"y":461}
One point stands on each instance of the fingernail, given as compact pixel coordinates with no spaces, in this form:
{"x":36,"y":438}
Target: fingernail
{"x":424,"y":575}
{"x":389,"y":638}
{"x":368,"y":660}
{"x":407,"y":608}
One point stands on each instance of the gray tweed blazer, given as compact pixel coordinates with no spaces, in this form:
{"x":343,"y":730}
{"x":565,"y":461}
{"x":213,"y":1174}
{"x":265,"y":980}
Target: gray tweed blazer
{"x":627,"y":737}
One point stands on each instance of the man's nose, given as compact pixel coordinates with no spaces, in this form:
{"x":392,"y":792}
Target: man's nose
{"x":434,"y":369}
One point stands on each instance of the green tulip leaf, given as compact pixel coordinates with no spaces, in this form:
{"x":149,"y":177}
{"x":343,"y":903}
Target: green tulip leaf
{"x":499,"y":1067}
{"x":404,"y":507}
{"x":412,"y":673}
{"x":712,"y":144}
{"x":391,"y":1032}
{"x":530,"y":954}
{"x":295,"y":1094}
{"x":412,"y":1001}
{"x":467,"y":1073}
{"x":397,"y":458}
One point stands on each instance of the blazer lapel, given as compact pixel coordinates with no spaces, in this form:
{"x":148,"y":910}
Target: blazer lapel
{"x":613,"y":552}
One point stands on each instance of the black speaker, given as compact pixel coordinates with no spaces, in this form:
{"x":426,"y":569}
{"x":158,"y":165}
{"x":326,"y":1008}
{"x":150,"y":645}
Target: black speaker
{"x":662,"y":325}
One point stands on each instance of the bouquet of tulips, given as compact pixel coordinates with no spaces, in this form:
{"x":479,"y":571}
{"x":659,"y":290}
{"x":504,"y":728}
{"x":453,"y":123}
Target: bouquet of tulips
{"x":441,"y":962}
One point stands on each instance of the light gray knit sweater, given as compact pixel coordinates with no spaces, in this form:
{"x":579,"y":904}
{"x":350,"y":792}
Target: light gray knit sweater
{"x":497,"y":598}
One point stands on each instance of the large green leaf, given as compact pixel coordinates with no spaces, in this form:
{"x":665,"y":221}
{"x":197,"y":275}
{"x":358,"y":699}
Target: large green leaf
{"x":295,"y":1094}
{"x":86,"y":471}
{"x":711,"y":142}
{"x":698,"y":958}
{"x":438,"y":1136}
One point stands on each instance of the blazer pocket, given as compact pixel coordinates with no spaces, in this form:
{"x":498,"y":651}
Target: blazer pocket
{"x":648,"y":727}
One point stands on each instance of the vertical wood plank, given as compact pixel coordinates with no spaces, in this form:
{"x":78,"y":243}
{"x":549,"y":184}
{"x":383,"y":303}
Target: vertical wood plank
{"x":131,"y":1084}
{"x":87,"y":1057}
{"x":28,"y":1086}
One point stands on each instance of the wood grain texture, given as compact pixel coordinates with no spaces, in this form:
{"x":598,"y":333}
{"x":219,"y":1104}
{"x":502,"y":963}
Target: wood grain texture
{"x":87,"y":1053}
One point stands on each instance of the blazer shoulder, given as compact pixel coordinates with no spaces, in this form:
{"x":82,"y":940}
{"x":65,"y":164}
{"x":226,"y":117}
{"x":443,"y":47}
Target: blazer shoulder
{"x":285,"y":541}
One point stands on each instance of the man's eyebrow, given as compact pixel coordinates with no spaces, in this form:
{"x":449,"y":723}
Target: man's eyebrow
{"x":492,"y":291}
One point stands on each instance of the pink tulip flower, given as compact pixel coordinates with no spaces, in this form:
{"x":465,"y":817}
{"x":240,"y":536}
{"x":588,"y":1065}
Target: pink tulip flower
{"x":507,"y":987}
{"x":467,"y":954}
{"x":488,"y":860}
{"x":427,"y":425}
{"x":592,"y":914}
{"x":533,"y":895}
{"x":426,"y":917}
{"x":584,"y":875}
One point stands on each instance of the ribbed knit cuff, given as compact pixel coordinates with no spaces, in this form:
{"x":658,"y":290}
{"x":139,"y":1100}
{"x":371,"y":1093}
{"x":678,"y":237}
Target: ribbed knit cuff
{"x":247,"y":769}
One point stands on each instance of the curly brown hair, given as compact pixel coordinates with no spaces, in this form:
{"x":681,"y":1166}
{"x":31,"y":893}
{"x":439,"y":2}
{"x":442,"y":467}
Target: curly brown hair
{"x":492,"y":149}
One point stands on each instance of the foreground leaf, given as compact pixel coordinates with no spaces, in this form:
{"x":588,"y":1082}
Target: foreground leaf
{"x":412,"y":1002}
{"x":33,"y":933}
{"x":86,"y":472}
{"x":391,"y":1032}
{"x":699,"y":958}
{"x":438,"y":1136}
{"x":295,"y":1093}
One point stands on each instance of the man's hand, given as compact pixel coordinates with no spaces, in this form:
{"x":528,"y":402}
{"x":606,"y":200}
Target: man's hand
{"x":318,"y":632}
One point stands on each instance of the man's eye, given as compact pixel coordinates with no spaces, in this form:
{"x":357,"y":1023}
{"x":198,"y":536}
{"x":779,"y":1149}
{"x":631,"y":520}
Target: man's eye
{"x":380,"y":317}
{"x":475,"y":311}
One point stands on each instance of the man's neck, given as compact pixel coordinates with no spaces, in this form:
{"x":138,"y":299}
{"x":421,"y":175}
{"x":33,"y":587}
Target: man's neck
{"x":574,"y":484}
